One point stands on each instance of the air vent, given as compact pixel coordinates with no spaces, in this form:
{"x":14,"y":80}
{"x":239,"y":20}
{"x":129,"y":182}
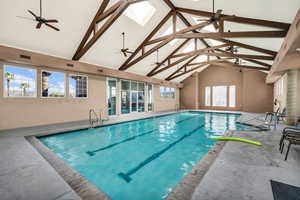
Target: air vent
{"x":25,"y":57}
{"x":70,"y":65}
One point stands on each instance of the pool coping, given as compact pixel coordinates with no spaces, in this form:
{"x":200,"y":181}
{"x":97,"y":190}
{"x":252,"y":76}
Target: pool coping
{"x":88,"y":191}
{"x":186,"y":187}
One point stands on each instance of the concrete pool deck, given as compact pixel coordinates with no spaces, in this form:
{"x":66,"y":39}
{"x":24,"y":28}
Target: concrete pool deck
{"x":25,"y":174}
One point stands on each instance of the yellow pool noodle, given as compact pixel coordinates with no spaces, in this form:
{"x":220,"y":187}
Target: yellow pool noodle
{"x":236,"y":139}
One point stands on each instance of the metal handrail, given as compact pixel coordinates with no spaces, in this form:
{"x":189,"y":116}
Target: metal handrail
{"x":91,"y":119}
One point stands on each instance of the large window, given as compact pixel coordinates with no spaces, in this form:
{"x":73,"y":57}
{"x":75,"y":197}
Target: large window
{"x":219,"y":96}
{"x":167,"y":92}
{"x":150,"y":97}
{"x":53,"y":84}
{"x":141,"y":97}
{"x":111,"y":96}
{"x":232,"y":96}
{"x":19,"y":82}
{"x":78,"y":86}
{"x":208,"y":96}
{"x":132,"y":97}
{"x":125,"y":97}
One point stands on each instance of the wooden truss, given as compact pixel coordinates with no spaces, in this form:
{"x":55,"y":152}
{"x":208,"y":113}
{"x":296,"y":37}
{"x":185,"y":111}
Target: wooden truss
{"x":190,"y":32}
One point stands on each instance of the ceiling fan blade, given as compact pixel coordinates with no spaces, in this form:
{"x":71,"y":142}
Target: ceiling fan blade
{"x":32,"y":13}
{"x":26,"y":18}
{"x":38,"y":26}
{"x":52,"y":26}
{"x":51,"y":21}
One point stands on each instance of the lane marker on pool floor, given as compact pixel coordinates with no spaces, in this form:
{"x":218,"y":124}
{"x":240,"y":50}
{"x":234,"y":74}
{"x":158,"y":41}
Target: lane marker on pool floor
{"x":92,"y":153}
{"x":126,"y":176}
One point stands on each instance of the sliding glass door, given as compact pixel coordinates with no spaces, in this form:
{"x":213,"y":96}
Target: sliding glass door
{"x":111,"y":96}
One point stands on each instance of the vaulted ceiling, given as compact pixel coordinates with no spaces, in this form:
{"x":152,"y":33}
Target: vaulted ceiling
{"x":75,"y":18}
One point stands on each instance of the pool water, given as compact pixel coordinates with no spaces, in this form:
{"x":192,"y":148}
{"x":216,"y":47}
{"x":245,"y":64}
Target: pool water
{"x":142,"y":159}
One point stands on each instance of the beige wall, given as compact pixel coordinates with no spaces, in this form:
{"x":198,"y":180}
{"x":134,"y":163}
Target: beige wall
{"x":257,"y":95}
{"x":188,"y":94}
{"x":252,"y":94}
{"x":28,"y":112}
{"x":164,"y":104}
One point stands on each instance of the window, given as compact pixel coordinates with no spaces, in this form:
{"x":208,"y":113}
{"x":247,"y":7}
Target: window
{"x":220,"y":96}
{"x":111,"y":96}
{"x":150,"y":97}
{"x":279,"y":86}
{"x":125,"y":97}
{"x":208,"y":96}
{"x":53,"y":84}
{"x":141,"y":97}
{"x":232,"y":96}
{"x":78,"y":86}
{"x":167,"y":92}
{"x":140,"y":12}
{"x":19,"y":82}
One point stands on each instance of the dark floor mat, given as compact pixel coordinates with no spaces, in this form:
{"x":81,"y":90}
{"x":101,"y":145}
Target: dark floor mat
{"x":282,"y":191}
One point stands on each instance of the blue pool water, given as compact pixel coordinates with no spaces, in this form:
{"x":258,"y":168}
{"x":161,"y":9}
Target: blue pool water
{"x":142,"y":159}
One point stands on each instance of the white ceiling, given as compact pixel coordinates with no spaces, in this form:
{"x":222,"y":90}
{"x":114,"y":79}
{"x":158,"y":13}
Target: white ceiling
{"x":75,"y":16}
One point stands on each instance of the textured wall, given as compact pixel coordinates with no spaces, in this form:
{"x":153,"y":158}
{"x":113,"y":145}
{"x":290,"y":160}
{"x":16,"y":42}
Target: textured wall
{"x":252,"y":94}
{"x":28,"y":112}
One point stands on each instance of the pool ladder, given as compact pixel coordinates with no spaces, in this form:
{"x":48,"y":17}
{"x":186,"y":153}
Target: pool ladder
{"x":94,"y":119}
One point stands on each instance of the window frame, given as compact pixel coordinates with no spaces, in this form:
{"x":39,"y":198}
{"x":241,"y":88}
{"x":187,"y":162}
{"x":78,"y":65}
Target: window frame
{"x":210,"y":95}
{"x":41,"y":83}
{"x":4,"y":65}
{"x":87,"y":86}
{"x":226,"y":96}
{"x":229,"y":97}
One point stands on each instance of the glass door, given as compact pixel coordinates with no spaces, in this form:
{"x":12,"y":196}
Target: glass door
{"x":111,"y":96}
{"x":134,"y":101}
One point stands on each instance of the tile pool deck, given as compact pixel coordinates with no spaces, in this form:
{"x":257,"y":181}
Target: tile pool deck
{"x":239,"y":172}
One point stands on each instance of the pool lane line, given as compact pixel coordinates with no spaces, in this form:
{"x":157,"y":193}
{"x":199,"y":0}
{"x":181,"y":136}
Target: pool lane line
{"x":92,"y":153}
{"x":126,"y":176}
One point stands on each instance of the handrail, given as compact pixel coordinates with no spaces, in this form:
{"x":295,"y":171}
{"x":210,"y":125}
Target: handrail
{"x":91,"y":119}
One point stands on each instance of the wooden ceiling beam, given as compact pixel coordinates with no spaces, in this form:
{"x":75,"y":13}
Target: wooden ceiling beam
{"x":114,"y":12}
{"x":244,"y":34}
{"x":200,"y":51}
{"x":197,"y":53}
{"x":91,"y":27}
{"x":151,"y":73}
{"x":237,"y":19}
{"x":125,"y":66}
{"x":173,"y":75}
{"x":258,"y":62}
{"x":249,"y":47}
{"x":226,"y":64}
{"x":260,"y":57}
{"x":185,"y":30}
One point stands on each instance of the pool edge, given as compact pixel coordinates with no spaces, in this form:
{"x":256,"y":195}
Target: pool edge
{"x":81,"y":186}
{"x":185,"y":188}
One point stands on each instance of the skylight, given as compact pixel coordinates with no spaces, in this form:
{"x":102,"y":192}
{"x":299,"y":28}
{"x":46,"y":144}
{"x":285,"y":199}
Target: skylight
{"x":140,"y":12}
{"x":168,"y":32}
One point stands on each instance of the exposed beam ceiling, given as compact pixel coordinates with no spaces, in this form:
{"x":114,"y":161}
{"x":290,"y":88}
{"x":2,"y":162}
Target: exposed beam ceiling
{"x":191,"y":32}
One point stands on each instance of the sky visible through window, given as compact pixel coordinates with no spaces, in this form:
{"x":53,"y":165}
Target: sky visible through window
{"x":140,"y":12}
{"x":56,"y":84}
{"x":19,"y":82}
